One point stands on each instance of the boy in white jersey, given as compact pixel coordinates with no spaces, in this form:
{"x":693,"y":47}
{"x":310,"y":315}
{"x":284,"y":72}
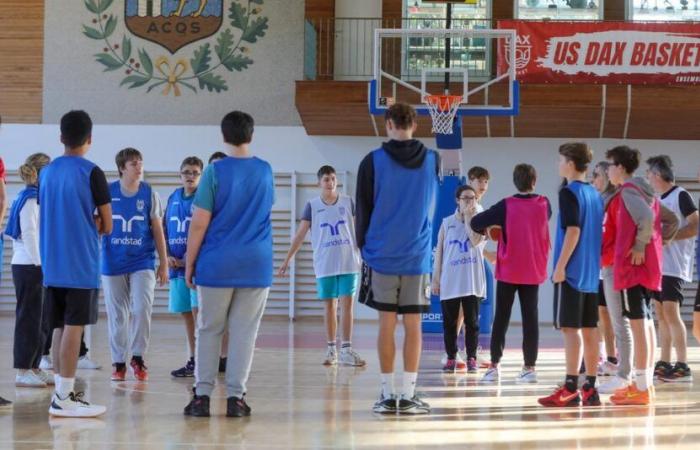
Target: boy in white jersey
{"x":330,"y":217}
{"x":677,"y":270}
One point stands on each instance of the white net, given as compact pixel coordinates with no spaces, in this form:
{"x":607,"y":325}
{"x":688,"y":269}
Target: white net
{"x":443,"y":109}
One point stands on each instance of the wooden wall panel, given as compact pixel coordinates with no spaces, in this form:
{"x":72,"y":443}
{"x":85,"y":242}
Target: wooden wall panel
{"x":319,"y":8}
{"x":21,"y":60}
{"x":503,"y":9}
{"x":614,"y":9}
{"x":392,"y":9}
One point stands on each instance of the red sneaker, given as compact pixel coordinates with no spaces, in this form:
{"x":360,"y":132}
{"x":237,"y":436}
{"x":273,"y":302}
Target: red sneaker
{"x":119,"y":372}
{"x":139,"y":368}
{"x":560,"y":398}
{"x":589,"y":396}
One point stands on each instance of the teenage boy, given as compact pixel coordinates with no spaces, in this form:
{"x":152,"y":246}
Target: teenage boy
{"x":677,"y":270}
{"x":176,"y":223}
{"x":577,"y":276}
{"x":231,"y":222}
{"x":396,"y":190}
{"x":636,"y":217}
{"x":331,"y":219}
{"x":71,"y":189}
{"x":128,"y":264}
{"x":521,"y":267}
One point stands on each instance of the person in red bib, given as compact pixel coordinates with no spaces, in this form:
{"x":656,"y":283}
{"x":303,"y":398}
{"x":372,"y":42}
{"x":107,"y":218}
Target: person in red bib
{"x":521,"y":266}
{"x":637,"y":263}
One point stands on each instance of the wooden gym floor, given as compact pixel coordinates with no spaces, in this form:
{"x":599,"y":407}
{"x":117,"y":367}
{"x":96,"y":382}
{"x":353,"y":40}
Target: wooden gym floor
{"x":298,"y":403}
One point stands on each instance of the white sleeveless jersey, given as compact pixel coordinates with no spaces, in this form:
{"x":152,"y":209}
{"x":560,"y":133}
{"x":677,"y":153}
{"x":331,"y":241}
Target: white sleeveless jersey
{"x":333,"y":238}
{"x":678,"y":255}
{"x":463,"y":272}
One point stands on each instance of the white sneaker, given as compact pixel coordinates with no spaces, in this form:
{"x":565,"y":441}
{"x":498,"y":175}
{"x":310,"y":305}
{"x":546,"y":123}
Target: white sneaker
{"x":493,"y":374}
{"x":526,"y":376}
{"x":84,"y":362}
{"x":331,"y":356}
{"x":349,"y":357}
{"x":606,"y":368}
{"x":612,"y":385}
{"x":46,"y":363}
{"x":74,"y":406}
{"x":45,"y":377}
{"x":29,"y":379}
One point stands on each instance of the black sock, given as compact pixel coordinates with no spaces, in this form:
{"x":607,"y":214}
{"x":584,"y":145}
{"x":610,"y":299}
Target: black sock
{"x":682,"y":365}
{"x":612,"y":359}
{"x":571,"y":383}
{"x":582,"y":369}
{"x":590,"y":382}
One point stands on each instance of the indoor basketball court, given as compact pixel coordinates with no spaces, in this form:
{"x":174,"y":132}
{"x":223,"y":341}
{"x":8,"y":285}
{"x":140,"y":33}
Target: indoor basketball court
{"x":348,"y":194}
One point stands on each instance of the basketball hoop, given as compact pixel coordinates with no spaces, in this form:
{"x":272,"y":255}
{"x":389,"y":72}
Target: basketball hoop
{"x":443,"y":109}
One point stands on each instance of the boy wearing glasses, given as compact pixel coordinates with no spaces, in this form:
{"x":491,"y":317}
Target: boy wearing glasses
{"x":459,"y":278}
{"x":176,"y":222}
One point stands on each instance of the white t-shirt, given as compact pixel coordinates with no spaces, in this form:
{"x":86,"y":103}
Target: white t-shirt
{"x":333,"y":237}
{"x":678,"y":255}
{"x":463,"y":273}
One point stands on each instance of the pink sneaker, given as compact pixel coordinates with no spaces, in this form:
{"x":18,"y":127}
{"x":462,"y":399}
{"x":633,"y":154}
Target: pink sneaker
{"x":472,"y":366}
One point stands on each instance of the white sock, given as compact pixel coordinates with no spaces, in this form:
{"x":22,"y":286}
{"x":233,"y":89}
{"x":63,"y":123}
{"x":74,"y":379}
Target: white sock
{"x":64,"y":386}
{"x":409,"y":384}
{"x":388,"y":384}
{"x":56,"y":378}
{"x":642,"y":379}
{"x":601,"y":351}
{"x":345,"y":345}
{"x":650,"y":376}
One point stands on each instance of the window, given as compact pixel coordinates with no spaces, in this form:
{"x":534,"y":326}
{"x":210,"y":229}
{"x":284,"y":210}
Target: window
{"x":665,"y":10}
{"x":559,"y":9}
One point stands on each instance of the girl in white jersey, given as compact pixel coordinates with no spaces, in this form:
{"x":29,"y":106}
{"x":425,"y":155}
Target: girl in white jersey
{"x":459,"y":278}
{"x":330,"y":217}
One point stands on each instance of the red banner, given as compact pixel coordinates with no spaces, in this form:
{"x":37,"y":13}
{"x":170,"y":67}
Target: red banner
{"x":604,"y":52}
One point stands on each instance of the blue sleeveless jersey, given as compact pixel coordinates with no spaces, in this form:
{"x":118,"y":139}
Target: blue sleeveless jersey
{"x":583,"y":269}
{"x":68,"y":240}
{"x":178,"y":215}
{"x":130,"y":247}
{"x":399,"y":237}
{"x":237,"y":247}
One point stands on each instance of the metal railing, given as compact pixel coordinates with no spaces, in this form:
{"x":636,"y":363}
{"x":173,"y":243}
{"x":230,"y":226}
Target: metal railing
{"x":342,"y":48}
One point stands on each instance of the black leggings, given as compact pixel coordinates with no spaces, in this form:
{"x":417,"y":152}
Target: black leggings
{"x":505,"y":296}
{"x":450,"y":315}
{"x":29,"y":330}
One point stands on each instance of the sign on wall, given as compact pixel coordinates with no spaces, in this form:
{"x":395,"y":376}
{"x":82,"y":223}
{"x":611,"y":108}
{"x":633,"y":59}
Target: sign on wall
{"x":605,"y":52}
{"x":120,"y":28}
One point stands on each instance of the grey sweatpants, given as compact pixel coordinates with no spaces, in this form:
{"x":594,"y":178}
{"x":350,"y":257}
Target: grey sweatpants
{"x":129,"y":301}
{"x":620,"y":324}
{"x":239,"y":311}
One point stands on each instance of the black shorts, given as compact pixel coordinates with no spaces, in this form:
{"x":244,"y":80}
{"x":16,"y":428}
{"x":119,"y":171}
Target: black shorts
{"x":636,"y":303}
{"x":574,"y":309}
{"x":601,"y":295}
{"x":671,"y":290}
{"x":70,"y":306}
{"x":697,"y":301}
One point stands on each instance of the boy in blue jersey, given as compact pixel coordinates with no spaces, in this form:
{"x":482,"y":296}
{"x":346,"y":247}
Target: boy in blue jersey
{"x":231,"y":223}
{"x":176,"y":222}
{"x":128,"y":264}
{"x":577,"y":275}
{"x":396,"y":193}
{"x":71,"y":189}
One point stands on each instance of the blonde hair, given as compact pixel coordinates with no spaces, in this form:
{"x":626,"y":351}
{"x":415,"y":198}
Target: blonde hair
{"x":29,"y":171}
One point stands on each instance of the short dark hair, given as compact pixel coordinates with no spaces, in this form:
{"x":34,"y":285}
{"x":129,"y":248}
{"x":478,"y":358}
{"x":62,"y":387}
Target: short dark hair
{"x":624,"y":156}
{"x":126,"y":155}
{"x":237,"y":128}
{"x":192,"y":161}
{"x":578,"y":153}
{"x":662,"y":166}
{"x":217,"y":156}
{"x":462,"y":188}
{"x":478,"y":172}
{"x":76,"y":129}
{"x":324,"y":170}
{"x":524,"y":177}
{"x":402,"y":115}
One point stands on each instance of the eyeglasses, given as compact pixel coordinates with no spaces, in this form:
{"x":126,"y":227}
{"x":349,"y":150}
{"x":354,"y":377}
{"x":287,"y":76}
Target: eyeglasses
{"x":189,"y":173}
{"x":468,"y":199}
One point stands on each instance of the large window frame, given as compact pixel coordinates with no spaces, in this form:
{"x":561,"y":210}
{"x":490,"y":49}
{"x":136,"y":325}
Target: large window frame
{"x":560,"y":4}
{"x":661,"y":14}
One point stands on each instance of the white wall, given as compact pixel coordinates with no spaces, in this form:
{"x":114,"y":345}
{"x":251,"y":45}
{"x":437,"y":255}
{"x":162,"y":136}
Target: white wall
{"x":290,"y":149}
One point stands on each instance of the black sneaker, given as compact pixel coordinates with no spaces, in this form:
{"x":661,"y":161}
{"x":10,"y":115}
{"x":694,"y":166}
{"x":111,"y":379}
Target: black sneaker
{"x":198,"y":406}
{"x":385,"y":405}
{"x":679,"y":373}
{"x":237,"y":407}
{"x":413,"y":406}
{"x":4,"y":402}
{"x":661,"y":368}
{"x":187,"y":371}
{"x":222,"y":365}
